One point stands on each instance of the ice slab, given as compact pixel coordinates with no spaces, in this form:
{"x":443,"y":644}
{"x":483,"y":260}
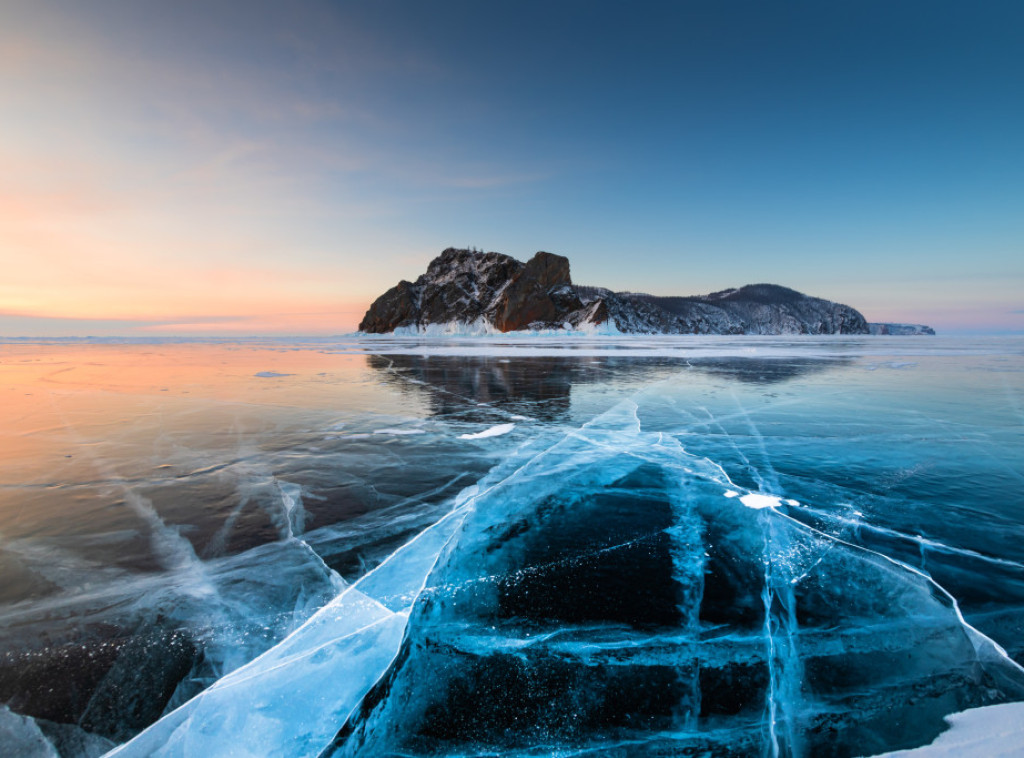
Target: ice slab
{"x":20,"y":736}
{"x":25,"y":737}
{"x":292,"y":699}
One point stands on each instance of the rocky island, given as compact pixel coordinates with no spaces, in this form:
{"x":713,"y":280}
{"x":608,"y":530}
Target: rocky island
{"x":468,"y":291}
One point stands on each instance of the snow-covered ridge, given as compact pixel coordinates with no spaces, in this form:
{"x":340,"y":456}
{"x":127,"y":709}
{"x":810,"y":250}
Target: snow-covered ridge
{"x":470,"y":292}
{"x":901,"y":329}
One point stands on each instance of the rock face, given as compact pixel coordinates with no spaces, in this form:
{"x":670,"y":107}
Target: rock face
{"x":760,"y":309}
{"x":541,"y":293}
{"x":487,"y":290}
{"x":900,"y":329}
{"x":467,"y":290}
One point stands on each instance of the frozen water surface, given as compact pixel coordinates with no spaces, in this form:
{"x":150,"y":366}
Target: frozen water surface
{"x":515,"y":546}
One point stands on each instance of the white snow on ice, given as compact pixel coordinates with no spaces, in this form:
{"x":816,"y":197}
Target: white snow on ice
{"x":754,"y":500}
{"x":995,"y":731}
{"x":494,"y":431}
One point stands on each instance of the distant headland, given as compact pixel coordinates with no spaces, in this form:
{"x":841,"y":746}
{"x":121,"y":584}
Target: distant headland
{"x":469,"y":291}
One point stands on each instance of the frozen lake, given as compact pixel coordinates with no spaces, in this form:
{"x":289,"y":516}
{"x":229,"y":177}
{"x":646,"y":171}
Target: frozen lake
{"x":514,"y":546}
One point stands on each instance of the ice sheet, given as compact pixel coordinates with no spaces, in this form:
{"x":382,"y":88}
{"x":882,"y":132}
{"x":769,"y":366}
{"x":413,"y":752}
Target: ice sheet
{"x":995,"y":731}
{"x":294,"y":698}
{"x":758,"y":552}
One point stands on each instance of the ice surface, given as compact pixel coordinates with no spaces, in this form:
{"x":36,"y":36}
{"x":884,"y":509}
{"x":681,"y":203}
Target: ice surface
{"x":712,"y":546}
{"x":532,"y":595}
{"x":538,"y":344}
{"x":292,"y":699}
{"x":995,"y":731}
{"x":22,"y":737}
{"x":25,"y":737}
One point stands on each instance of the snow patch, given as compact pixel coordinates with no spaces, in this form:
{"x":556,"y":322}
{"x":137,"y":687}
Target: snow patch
{"x":494,"y":431}
{"x":994,"y":731}
{"x":755,"y":500}
{"x":479,"y":328}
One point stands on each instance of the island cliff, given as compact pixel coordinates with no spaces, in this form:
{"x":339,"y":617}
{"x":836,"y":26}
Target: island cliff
{"x":471,"y":291}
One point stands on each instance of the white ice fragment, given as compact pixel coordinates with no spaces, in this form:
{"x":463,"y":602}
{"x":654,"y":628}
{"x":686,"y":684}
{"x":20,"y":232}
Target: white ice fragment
{"x":994,"y":731}
{"x":754,"y":500}
{"x":395,"y":431}
{"x":494,"y":431}
{"x":731,"y":493}
{"x":792,"y":502}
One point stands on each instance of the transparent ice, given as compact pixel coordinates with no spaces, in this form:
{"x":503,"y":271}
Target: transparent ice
{"x":814,"y":551}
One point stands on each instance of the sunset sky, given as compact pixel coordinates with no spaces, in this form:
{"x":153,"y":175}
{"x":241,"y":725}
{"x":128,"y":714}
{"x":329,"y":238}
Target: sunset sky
{"x":269,"y":168}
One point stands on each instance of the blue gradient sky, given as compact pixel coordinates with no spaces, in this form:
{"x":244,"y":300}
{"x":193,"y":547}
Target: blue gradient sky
{"x":225,"y":168}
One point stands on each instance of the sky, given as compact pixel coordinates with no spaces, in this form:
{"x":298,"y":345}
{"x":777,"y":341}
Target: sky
{"x":229,"y":168}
